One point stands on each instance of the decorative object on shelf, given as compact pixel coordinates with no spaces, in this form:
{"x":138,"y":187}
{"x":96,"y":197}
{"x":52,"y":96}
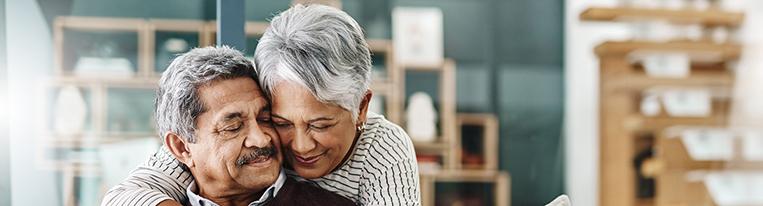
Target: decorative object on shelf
{"x":650,"y":104}
{"x":428,"y":163}
{"x":331,"y":3}
{"x":562,"y":200}
{"x":103,"y":59}
{"x":720,"y":35}
{"x":421,"y":118}
{"x":418,"y":35}
{"x":687,"y":102}
{"x":170,"y":48}
{"x":752,"y":142}
{"x":704,"y":145}
{"x":671,"y":65}
{"x":70,"y":111}
{"x":735,"y":187}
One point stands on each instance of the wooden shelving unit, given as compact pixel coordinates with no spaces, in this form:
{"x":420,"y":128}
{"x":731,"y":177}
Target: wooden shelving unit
{"x":623,"y":81}
{"x":146,"y":77}
{"x":711,"y":17}
{"x":446,"y":114}
{"x":499,"y":179}
{"x":672,"y":167}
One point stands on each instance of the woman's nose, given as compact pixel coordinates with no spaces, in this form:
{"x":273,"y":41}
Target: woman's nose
{"x":302,"y":143}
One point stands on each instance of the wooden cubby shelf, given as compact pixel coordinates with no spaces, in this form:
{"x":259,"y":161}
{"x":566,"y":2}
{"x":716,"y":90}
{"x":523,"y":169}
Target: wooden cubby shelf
{"x":726,"y":51}
{"x":710,"y":17}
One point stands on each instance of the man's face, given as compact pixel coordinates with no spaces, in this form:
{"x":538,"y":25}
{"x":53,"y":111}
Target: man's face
{"x":237,"y":149}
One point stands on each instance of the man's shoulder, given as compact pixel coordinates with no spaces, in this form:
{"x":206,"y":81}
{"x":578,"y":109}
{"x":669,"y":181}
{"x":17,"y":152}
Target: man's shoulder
{"x":294,"y":192}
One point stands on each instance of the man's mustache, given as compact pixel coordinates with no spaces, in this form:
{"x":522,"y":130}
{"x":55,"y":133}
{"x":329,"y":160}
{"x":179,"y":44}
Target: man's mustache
{"x":264,"y":152}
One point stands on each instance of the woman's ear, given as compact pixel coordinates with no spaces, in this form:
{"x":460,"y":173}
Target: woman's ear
{"x":179,"y":148}
{"x":363,"y":110}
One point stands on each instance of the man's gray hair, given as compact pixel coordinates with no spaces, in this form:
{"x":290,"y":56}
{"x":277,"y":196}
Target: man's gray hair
{"x":177,"y":99}
{"x":319,"y":47}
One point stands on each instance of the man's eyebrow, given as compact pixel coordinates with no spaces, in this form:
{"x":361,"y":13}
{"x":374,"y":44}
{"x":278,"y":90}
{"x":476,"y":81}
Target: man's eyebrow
{"x":233,"y":115}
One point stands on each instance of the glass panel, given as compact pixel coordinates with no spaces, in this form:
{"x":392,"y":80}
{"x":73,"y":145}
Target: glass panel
{"x":100,"y":53}
{"x":130,"y":110}
{"x":169,"y":44}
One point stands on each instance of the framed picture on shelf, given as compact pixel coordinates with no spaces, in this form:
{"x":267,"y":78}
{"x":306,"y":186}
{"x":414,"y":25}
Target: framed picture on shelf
{"x":418,"y":35}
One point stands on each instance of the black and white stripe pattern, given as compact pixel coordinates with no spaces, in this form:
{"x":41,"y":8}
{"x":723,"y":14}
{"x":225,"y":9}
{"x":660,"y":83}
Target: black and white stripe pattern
{"x":381,"y":171}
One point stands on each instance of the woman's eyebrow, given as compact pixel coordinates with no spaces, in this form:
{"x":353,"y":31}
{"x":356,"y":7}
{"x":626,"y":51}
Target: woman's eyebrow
{"x":320,"y":119}
{"x":277,"y":116}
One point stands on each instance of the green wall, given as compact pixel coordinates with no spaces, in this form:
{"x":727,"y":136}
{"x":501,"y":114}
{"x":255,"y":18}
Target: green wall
{"x":509,"y":56}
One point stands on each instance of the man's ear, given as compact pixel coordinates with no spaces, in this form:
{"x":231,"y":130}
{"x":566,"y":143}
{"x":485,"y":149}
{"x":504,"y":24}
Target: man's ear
{"x":179,"y":148}
{"x":363,"y":110}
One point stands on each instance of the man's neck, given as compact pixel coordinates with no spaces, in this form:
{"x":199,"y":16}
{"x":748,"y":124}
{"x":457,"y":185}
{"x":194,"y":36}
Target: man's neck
{"x":239,"y":200}
{"x":227,"y":197}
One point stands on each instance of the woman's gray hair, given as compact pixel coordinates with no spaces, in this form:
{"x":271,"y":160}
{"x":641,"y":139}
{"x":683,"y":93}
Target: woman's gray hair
{"x":319,"y":47}
{"x":177,"y":100}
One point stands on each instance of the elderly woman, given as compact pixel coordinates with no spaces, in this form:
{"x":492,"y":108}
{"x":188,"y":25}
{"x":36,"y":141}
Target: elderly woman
{"x":314,"y":65}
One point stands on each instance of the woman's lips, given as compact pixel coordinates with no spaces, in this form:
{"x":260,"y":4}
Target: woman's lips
{"x":308,"y":160}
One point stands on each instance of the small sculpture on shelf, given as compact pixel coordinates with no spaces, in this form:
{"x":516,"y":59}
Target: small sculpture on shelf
{"x":70,"y":111}
{"x":103,"y":59}
{"x":421,"y":118}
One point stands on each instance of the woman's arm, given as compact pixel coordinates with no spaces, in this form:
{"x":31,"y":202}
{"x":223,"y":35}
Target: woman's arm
{"x":161,"y":181}
{"x":392,"y":175}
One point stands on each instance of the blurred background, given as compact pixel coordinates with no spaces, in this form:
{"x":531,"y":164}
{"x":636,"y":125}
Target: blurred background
{"x":612,"y":102}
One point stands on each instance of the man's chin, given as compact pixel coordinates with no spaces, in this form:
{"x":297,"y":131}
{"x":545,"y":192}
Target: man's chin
{"x":259,"y":177}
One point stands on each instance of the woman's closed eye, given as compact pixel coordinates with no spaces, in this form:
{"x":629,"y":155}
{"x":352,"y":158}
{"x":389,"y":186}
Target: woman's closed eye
{"x":320,"y":127}
{"x":281,"y":124}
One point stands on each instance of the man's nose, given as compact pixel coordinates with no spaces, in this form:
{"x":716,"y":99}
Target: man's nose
{"x":257,"y":138}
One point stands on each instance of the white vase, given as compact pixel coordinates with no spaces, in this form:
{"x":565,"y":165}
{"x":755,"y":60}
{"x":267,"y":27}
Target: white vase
{"x":70,"y":111}
{"x":421,"y":118}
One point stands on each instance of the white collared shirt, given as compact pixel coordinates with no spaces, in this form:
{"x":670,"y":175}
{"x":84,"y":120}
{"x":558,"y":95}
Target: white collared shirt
{"x":268,"y":195}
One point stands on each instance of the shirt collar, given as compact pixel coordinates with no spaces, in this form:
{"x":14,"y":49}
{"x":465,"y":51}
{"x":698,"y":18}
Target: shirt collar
{"x":269,"y":193}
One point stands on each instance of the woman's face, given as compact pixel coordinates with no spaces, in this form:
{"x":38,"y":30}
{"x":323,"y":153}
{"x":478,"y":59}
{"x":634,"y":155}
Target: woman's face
{"x":315,"y":136}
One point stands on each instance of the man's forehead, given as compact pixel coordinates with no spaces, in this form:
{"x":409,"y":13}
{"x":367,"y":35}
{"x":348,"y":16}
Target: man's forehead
{"x":221,"y":93}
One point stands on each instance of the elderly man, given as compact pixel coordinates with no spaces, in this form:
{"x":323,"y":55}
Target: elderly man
{"x":214,"y":119}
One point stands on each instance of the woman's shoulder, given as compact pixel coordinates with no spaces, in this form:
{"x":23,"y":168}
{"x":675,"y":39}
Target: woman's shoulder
{"x":386,"y":138}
